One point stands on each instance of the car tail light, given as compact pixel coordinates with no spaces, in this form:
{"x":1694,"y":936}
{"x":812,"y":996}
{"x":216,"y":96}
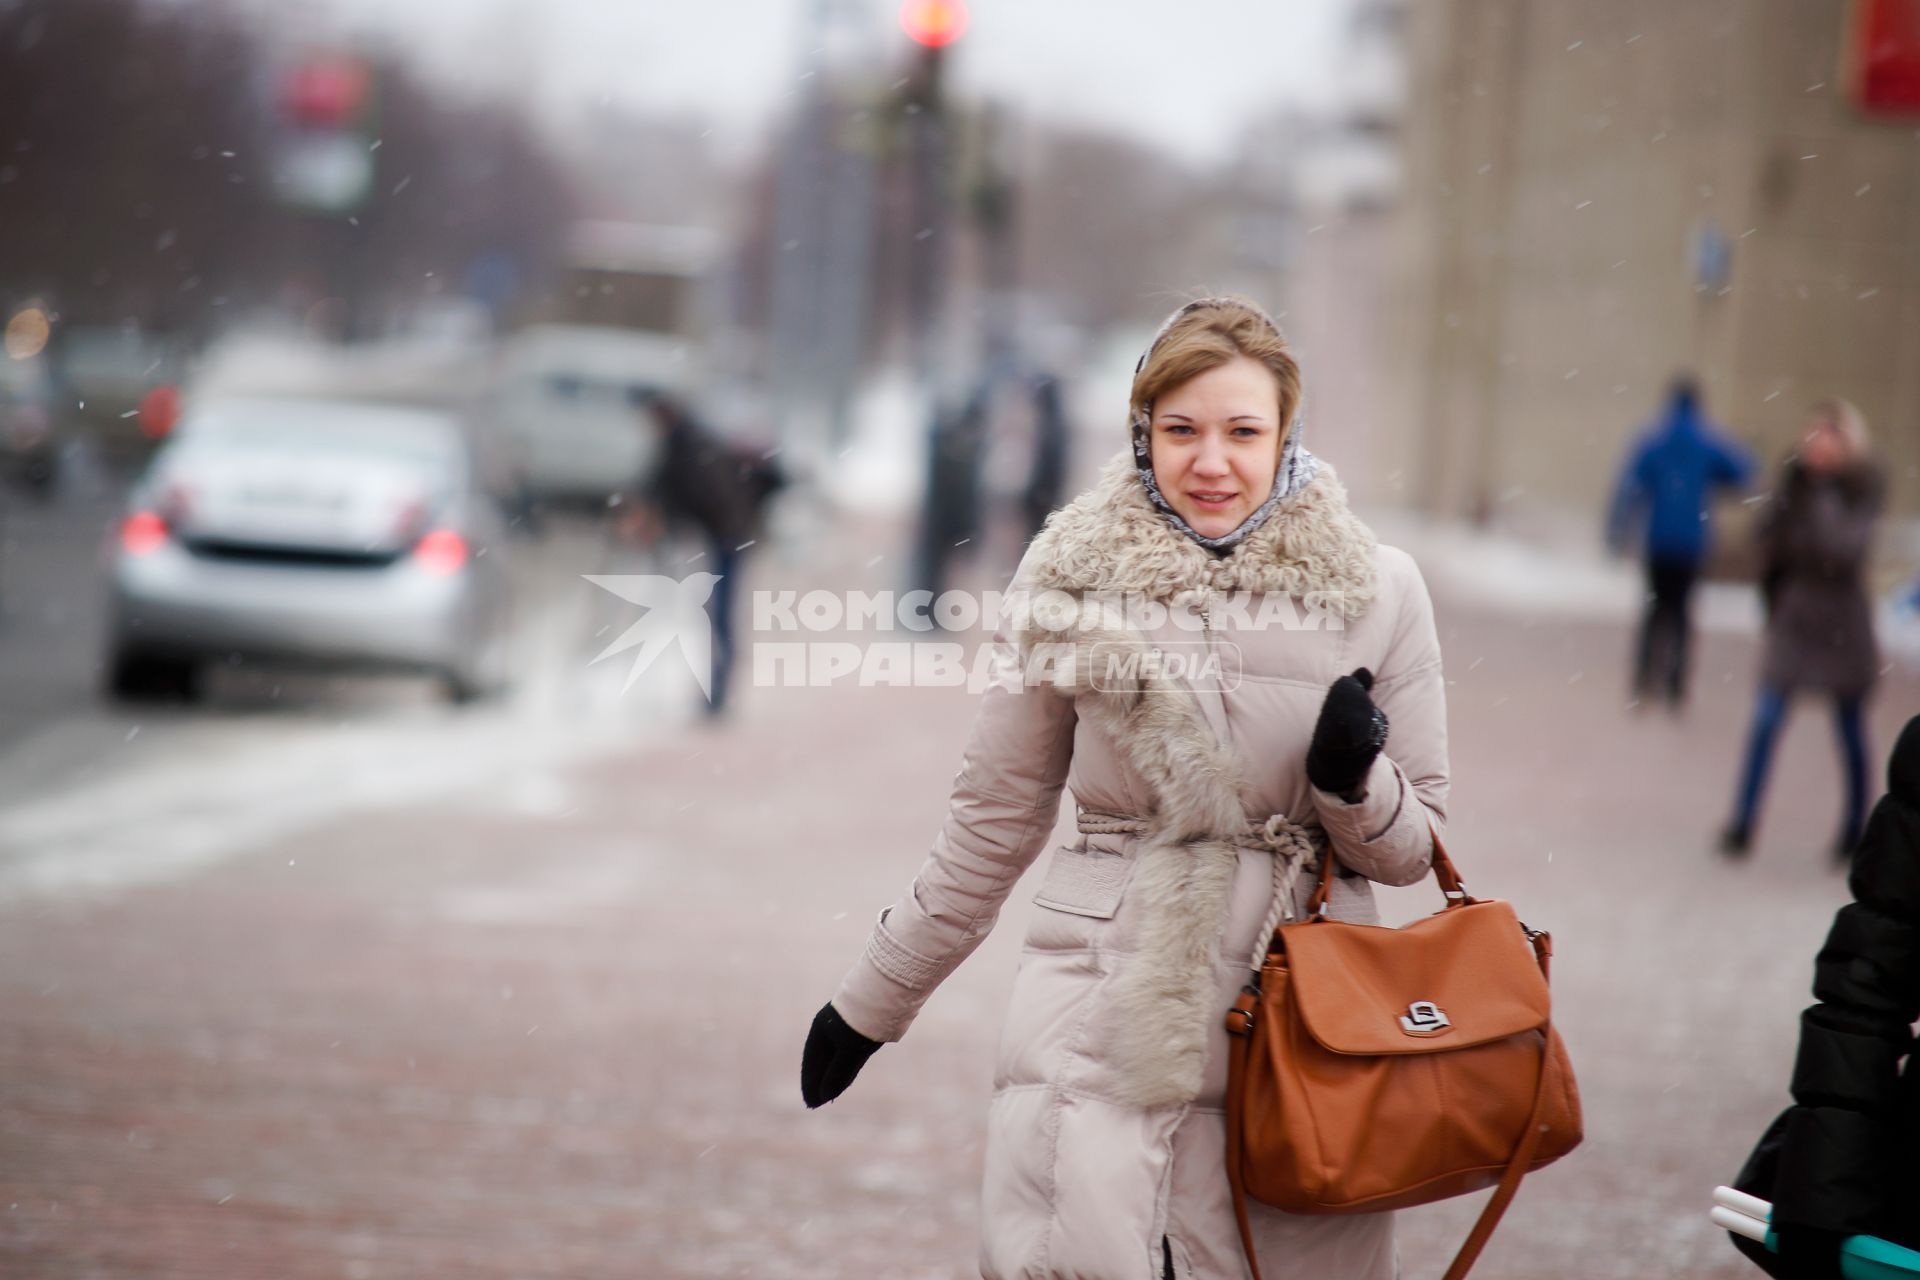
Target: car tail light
{"x":443,"y":552}
{"x":141,"y":532}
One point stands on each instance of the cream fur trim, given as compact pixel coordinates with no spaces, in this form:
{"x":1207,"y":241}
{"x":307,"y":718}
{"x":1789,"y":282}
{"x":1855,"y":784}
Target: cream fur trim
{"x":1183,"y":874}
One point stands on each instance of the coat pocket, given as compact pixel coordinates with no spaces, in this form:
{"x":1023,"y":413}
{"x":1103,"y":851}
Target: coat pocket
{"x":1084,"y":882}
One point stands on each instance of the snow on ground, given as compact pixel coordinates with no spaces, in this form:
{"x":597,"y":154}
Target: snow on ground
{"x":152,"y":795}
{"x":1565,"y":578}
{"x":1548,"y":579}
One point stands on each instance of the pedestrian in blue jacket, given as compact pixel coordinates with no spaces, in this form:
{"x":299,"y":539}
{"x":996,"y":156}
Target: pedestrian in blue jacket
{"x":1663,"y":499}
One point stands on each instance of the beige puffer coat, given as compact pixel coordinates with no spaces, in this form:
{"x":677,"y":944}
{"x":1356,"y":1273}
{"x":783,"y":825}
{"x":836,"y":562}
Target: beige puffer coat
{"x":1106,"y":1131}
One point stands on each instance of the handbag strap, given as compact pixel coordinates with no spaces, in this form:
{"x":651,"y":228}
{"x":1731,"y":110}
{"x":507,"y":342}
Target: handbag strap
{"x":1240,"y":1028}
{"x":1443,"y":870}
{"x":1239,"y":1038}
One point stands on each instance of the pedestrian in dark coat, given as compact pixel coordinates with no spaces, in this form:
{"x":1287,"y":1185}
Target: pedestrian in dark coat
{"x":1815,"y":534}
{"x":701,"y":481}
{"x":1845,"y":1159}
{"x":697,"y":478}
{"x":1665,"y":496}
{"x":1047,"y":477}
{"x":950,"y":512}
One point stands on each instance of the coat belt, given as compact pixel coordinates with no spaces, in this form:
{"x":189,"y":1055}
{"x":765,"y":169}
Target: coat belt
{"x":1278,"y":833}
{"x":1092,"y":822}
{"x":1295,"y":848}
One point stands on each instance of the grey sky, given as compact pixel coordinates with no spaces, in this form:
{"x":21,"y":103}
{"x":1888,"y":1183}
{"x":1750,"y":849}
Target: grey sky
{"x":1187,"y":76}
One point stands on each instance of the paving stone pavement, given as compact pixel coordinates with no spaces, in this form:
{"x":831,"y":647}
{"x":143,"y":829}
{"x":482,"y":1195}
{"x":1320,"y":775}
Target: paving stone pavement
{"x":482,"y":1038}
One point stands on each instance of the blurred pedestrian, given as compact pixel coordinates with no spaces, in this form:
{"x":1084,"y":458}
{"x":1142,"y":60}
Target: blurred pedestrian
{"x":1047,"y":478}
{"x":700,"y":482}
{"x":1664,"y":500}
{"x":1845,"y":1159}
{"x":1815,"y":532}
{"x":950,"y":514}
{"x":1205,"y":810}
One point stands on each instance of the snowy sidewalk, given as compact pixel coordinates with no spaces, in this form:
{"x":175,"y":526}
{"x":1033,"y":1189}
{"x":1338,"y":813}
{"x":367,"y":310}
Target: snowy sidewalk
{"x":1572,"y":580}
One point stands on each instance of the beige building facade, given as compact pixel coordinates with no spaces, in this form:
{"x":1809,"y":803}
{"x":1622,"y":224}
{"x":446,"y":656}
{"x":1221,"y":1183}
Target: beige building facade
{"x":1600,"y":195}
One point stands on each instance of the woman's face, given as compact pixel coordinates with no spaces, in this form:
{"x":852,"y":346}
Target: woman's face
{"x":1826,"y":447}
{"x":1215,"y":444}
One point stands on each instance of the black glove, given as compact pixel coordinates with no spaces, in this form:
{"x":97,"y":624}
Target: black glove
{"x":1808,"y":1253}
{"x":834,"y":1055}
{"x":1349,"y":735}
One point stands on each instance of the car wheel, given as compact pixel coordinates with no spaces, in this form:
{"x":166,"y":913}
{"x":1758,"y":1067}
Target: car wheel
{"x":43,"y":478}
{"x":141,"y":677}
{"x":484,"y":673}
{"x":463,"y":688}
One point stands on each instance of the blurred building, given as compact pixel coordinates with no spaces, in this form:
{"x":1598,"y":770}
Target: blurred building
{"x":1344,"y":168}
{"x":1600,"y":195}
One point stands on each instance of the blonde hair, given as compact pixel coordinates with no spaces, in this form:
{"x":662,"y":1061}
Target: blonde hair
{"x":1206,"y":334}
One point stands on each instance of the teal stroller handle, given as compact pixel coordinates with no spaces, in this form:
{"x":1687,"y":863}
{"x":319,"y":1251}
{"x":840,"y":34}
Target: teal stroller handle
{"x":1861,"y":1257}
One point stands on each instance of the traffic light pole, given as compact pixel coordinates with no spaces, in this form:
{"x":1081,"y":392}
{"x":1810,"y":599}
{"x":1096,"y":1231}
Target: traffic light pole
{"x":927,"y":214}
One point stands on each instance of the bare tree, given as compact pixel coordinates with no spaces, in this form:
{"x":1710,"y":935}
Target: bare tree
{"x":134,"y":176}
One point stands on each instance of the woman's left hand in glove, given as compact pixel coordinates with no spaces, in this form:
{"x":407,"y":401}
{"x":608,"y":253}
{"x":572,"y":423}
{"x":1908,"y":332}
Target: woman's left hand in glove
{"x":1349,"y":735}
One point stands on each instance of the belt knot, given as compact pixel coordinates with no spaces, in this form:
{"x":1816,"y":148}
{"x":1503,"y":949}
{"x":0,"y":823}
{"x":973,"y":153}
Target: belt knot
{"x":1294,"y":846}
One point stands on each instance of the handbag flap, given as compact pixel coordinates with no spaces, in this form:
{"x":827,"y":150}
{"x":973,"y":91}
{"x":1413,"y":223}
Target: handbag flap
{"x":1464,"y":976}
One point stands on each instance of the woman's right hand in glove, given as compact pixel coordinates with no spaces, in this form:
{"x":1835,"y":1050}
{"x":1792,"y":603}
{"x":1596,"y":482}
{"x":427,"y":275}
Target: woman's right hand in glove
{"x":834,"y":1055}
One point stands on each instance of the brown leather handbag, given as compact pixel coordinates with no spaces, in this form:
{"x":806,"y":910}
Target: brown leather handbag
{"x":1377,"y":1068}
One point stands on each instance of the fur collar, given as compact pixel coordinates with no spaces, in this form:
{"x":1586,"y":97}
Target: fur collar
{"x":1111,"y":539}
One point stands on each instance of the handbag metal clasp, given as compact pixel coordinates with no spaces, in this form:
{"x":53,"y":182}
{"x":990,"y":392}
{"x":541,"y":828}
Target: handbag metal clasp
{"x":1425,"y":1018}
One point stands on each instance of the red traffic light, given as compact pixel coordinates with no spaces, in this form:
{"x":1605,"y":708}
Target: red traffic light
{"x":328,"y":91}
{"x":934,"y":23}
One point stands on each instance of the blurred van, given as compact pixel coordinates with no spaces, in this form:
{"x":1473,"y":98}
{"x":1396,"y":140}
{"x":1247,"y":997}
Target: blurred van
{"x":568,"y":400}
{"x":631,"y":317}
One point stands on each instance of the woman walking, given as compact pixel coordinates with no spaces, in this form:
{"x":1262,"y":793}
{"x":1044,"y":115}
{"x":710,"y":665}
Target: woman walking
{"x":1815,"y":533}
{"x":1314,"y":727}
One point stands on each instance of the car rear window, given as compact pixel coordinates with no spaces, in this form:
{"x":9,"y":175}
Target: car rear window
{"x":424,"y":443}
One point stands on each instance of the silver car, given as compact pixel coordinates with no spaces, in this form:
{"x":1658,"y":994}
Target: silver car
{"x":327,"y":533}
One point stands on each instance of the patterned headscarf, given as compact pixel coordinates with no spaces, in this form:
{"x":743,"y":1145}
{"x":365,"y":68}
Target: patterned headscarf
{"x":1296,"y":469}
